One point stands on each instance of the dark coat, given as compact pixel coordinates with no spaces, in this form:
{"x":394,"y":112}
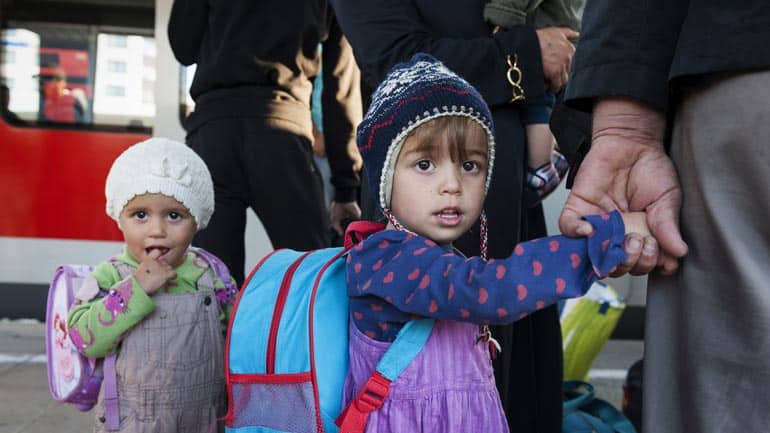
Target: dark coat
{"x":644,"y":50}
{"x":384,"y":33}
{"x":258,"y":59}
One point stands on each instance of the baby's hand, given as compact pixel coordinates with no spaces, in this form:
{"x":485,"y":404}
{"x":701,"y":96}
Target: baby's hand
{"x":640,"y":246}
{"x":152,"y":274}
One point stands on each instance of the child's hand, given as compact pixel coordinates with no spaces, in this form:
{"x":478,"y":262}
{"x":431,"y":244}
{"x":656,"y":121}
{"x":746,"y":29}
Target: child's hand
{"x":152,"y":274}
{"x":636,"y":222}
{"x":640,"y":246}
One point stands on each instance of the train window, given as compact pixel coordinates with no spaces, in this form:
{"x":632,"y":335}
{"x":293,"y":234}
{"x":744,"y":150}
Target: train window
{"x":77,"y":76}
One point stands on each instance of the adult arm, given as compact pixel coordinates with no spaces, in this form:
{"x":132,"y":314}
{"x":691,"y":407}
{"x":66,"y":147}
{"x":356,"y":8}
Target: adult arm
{"x":626,"y":49}
{"x":627,"y":169}
{"x":507,"y":13}
{"x":341,"y":102}
{"x":622,"y":62}
{"x":566,"y":13}
{"x":384,"y":33}
{"x":186,"y":27}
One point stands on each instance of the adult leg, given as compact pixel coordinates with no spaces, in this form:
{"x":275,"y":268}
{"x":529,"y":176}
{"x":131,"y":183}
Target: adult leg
{"x":708,"y":326}
{"x":285,"y":188}
{"x":217,"y":142}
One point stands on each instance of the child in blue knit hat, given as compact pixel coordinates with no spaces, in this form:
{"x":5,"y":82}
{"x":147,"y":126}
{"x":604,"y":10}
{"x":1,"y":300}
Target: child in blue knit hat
{"x":428,"y":145}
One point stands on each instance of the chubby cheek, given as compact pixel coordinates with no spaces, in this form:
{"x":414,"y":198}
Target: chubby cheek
{"x":137,"y":251}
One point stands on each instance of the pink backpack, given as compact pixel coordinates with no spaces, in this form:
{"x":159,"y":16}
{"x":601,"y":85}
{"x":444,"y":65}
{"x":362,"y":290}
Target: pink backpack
{"x":73,"y":377}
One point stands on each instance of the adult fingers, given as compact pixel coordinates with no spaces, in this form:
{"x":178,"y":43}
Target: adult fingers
{"x":572,"y":224}
{"x":569,"y":33}
{"x":663,"y":219}
{"x":648,"y":258}
{"x":667,"y":264}
{"x":633,"y":248}
{"x":556,"y":83}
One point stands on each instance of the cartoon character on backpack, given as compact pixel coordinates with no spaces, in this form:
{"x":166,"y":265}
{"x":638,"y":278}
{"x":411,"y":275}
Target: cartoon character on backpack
{"x":63,"y":345}
{"x":152,"y":317}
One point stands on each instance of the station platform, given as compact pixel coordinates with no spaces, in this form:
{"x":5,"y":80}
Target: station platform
{"x":26,"y":405}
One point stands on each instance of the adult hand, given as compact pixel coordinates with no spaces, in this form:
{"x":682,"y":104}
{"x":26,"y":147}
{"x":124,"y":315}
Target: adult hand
{"x":556,"y":51}
{"x":627,"y":169}
{"x":342,"y":211}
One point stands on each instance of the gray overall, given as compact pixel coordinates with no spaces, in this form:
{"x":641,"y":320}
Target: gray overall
{"x":170,"y":368}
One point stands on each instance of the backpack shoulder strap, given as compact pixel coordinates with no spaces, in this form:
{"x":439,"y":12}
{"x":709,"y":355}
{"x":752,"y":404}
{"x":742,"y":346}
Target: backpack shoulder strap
{"x":407,"y":345}
{"x":111,"y":407}
{"x":224,"y":295}
{"x":360,"y":230}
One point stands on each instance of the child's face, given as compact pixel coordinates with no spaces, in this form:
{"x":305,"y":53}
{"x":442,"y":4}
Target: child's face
{"x":434,"y":195}
{"x":157,"y":221}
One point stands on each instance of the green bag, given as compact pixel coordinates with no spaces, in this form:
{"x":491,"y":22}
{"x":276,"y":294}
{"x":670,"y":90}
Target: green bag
{"x":586,"y":325}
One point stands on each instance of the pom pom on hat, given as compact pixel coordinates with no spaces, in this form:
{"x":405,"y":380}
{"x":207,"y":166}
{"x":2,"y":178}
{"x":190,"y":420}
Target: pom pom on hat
{"x":412,"y":94}
{"x":161,"y":166}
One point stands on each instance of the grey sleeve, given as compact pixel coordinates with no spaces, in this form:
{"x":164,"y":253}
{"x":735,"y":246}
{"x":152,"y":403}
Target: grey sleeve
{"x":508,"y":13}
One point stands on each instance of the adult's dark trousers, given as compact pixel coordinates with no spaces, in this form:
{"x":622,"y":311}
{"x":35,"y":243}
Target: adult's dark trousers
{"x":258,"y":163}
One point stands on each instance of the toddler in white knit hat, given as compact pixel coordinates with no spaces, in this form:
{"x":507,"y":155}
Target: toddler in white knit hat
{"x":156,"y":303}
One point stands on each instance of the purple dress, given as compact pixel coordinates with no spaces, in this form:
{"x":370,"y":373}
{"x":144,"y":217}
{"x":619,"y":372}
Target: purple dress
{"x":448,"y":388}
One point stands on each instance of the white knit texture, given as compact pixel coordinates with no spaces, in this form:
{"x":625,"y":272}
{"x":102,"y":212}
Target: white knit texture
{"x":389,"y":165}
{"x":161,"y":166}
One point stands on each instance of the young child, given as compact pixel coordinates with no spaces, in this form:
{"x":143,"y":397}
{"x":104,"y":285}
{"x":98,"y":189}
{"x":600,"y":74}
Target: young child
{"x":428,"y":146}
{"x":546,"y":167}
{"x":157,"y":304}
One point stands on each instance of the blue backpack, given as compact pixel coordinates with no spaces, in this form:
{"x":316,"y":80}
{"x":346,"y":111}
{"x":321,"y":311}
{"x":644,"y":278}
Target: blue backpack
{"x":286,"y":354}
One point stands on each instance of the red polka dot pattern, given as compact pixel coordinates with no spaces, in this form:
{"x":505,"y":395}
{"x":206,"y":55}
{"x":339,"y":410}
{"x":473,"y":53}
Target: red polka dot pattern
{"x":414,"y":274}
{"x":430,"y":280}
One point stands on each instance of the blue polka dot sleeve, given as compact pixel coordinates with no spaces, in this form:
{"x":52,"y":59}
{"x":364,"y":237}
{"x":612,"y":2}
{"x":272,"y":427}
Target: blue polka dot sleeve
{"x":394,"y":276}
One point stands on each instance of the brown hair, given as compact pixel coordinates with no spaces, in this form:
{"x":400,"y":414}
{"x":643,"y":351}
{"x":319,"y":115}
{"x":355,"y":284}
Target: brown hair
{"x":456,"y":131}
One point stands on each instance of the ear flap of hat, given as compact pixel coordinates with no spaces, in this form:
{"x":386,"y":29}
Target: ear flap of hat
{"x":411,"y":94}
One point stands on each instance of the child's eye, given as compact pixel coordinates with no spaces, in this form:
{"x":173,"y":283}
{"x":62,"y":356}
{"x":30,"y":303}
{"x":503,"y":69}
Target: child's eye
{"x":470,"y":166}
{"x":140,"y":215}
{"x":424,"y":165}
{"x":175,"y":216}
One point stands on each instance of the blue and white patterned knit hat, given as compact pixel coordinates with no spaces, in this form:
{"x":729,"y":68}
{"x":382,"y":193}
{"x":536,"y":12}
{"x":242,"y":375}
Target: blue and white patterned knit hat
{"x":412,"y":94}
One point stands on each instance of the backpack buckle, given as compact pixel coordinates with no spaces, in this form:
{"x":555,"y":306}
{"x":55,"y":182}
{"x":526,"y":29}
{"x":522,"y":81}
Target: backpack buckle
{"x":370,"y":398}
{"x":373,"y":393}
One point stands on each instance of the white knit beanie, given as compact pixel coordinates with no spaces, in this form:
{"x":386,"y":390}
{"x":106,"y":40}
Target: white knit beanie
{"x":161,"y":166}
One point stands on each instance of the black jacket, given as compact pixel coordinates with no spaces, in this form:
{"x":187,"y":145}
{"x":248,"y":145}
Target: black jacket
{"x":646,"y":49}
{"x":384,"y":33}
{"x":258,"y":59}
